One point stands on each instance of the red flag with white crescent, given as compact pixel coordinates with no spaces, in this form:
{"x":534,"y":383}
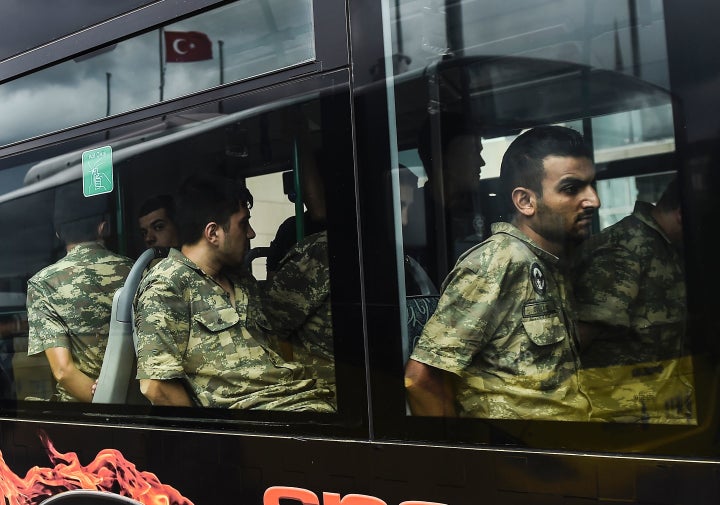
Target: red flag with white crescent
{"x":181,"y":47}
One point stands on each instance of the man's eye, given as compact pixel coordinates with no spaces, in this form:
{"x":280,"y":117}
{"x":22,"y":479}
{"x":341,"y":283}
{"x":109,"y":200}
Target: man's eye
{"x":159,"y":227}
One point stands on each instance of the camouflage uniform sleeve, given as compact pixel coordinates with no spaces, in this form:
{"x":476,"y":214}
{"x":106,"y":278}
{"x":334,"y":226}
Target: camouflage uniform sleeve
{"x":605,"y":298}
{"x":297,"y":290}
{"x":466,"y":317}
{"x":162,"y":326}
{"x":45,"y":327}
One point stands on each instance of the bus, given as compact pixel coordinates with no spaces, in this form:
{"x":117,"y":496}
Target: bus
{"x":406,"y":108}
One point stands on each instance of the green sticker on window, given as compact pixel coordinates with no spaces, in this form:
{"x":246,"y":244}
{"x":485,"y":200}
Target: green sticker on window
{"x":97,"y":171}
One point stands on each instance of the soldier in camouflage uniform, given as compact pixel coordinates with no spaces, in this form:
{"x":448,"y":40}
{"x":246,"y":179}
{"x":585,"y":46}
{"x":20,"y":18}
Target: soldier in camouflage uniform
{"x":69,"y":302}
{"x":630,"y":289}
{"x":501,"y":343}
{"x":297,"y":305}
{"x":638,"y":313}
{"x":198,"y":322}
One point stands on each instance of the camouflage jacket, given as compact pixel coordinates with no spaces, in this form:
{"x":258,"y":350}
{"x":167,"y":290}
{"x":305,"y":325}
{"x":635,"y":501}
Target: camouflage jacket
{"x":503,"y":329}
{"x":631,"y":277}
{"x":69,"y":304}
{"x":297,"y":305}
{"x":188,"y":329}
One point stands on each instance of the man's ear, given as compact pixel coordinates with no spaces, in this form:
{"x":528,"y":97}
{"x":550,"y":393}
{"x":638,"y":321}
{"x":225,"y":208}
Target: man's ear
{"x":525,"y":201}
{"x":211,"y":232}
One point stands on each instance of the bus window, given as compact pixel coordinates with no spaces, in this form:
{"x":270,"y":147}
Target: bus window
{"x":229,"y":43}
{"x":472,"y":80}
{"x":282,"y":317}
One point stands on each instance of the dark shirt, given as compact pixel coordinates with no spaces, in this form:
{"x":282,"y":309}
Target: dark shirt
{"x":286,"y":237}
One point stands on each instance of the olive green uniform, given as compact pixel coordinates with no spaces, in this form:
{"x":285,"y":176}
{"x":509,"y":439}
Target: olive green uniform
{"x":188,"y":329}
{"x":297,"y":305}
{"x":69,"y":305}
{"x":631,"y":277}
{"x":503,"y":329}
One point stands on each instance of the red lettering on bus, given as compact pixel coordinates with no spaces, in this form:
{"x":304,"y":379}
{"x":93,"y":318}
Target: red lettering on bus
{"x":274,"y":494}
{"x":351,"y":499}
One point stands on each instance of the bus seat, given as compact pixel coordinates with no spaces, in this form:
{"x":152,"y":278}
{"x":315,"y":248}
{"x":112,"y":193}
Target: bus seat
{"x":421,"y":306}
{"x":119,"y":364}
{"x":419,"y":310}
{"x":253,"y":254}
{"x":88,"y":497}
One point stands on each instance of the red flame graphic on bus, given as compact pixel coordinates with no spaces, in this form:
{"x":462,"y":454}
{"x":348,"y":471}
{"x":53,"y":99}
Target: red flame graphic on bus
{"x":109,"y":471}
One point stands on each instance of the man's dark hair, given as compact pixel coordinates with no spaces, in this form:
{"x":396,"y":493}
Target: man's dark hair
{"x":158,"y":202}
{"x":76,"y":217}
{"x":205,"y":198}
{"x":523,"y":165}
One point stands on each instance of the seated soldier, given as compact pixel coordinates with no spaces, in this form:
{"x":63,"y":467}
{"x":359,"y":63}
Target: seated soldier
{"x":69,"y":302}
{"x":198,"y":321}
{"x":297,"y":305}
{"x":156,"y":222}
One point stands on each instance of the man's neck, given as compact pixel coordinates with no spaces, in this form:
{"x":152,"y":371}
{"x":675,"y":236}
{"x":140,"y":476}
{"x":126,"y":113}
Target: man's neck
{"x":70,"y":247}
{"x":202,"y":257}
{"x":545,"y":244}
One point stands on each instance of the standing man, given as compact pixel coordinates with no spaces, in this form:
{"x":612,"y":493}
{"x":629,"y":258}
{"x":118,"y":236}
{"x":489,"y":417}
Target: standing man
{"x":501,"y":343}
{"x":632,"y":309}
{"x":638,"y":313}
{"x":200,"y":329}
{"x":157,"y":222}
{"x":69,"y":302}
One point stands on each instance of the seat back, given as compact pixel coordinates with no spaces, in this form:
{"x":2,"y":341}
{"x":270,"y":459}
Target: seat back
{"x":119,"y":363}
{"x":419,"y":307}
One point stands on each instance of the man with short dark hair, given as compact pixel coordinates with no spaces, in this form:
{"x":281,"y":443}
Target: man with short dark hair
{"x":200,"y":329}
{"x":69,"y":302}
{"x":501,"y":343}
{"x":156,"y":221}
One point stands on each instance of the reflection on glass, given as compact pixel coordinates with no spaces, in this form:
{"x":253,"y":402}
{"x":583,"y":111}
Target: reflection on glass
{"x":283,"y":320}
{"x":233,"y":42}
{"x":488,"y":70}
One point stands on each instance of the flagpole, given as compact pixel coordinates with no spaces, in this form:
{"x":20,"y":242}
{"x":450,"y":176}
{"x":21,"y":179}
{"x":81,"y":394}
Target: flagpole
{"x":107,"y":93}
{"x":222,"y":63}
{"x":222,"y":71}
{"x":160,"y":54}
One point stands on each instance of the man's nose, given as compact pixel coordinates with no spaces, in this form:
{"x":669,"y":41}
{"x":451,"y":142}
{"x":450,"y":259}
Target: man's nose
{"x":591,"y":198}
{"x":251,"y":232}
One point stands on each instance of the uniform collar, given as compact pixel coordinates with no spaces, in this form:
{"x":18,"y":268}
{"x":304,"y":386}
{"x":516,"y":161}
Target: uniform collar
{"x":85,"y":247}
{"x":643,"y":212}
{"x":513,"y":231}
{"x":178,"y":256}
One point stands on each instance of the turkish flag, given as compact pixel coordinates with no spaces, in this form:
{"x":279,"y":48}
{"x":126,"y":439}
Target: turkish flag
{"x":181,"y":47}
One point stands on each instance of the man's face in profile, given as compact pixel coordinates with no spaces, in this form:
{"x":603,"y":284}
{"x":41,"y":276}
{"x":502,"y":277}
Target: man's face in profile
{"x":464,"y":160}
{"x":158,"y":230}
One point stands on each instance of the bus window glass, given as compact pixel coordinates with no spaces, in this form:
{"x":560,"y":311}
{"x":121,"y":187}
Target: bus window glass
{"x":254,"y":323}
{"x":233,"y":42}
{"x":23,"y":32}
{"x":520,"y":303}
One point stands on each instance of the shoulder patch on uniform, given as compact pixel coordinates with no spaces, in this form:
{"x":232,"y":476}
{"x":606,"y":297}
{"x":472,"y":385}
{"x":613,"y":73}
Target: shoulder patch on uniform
{"x":537,"y":277}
